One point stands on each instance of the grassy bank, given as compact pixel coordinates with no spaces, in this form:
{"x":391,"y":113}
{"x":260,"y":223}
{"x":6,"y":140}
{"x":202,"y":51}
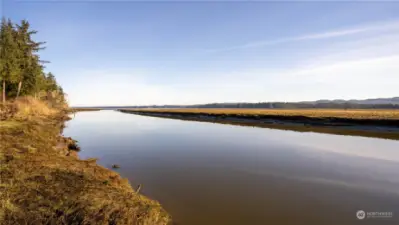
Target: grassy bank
{"x":44,"y":182}
{"x":73,"y":110}
{"x":367,"y":123}
{"x":311,"y":113}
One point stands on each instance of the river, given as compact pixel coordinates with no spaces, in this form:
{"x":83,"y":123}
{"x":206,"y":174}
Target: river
{"x":217,"y":174}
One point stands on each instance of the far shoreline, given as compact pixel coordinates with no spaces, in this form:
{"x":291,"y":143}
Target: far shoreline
{"x":365,"y":127}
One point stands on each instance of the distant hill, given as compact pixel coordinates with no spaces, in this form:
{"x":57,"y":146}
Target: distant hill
{"x":376,"y":103}
{"x":371,"y":101}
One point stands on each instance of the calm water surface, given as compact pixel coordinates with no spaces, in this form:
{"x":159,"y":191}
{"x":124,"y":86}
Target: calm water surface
{"x":215,"y":174}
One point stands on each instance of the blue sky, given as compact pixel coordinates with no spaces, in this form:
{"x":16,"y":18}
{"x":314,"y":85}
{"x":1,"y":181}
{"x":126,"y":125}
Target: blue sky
{"x":176,"y":52}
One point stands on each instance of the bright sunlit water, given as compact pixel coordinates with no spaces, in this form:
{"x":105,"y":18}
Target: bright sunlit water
{"x":216,"y":174}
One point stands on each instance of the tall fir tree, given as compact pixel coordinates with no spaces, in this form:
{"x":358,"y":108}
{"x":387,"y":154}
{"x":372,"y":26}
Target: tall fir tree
{"x":29,"y":61}
{"x":9,"y":69}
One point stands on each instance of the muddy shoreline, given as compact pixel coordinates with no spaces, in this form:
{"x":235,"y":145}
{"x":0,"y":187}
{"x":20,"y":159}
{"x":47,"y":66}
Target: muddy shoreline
{"x":388,"y":129}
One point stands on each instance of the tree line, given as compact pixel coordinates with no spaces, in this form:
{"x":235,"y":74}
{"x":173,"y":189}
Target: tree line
{"x":298,"y":105}
{"x":275,"y":105}
{"x":21,"y":69}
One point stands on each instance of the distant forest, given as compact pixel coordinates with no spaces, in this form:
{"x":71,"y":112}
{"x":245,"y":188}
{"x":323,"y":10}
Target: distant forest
{"x":378,"y":103}
{"x":289,"y":105}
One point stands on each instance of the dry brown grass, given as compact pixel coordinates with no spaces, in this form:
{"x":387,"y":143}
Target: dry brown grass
{"x":28,"y":108}
{"x":84,"y":109}
{"x":318,"y":113}
{"x":40,"y":184}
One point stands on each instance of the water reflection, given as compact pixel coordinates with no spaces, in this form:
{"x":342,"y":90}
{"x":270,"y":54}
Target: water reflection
{"x":206,"y":173}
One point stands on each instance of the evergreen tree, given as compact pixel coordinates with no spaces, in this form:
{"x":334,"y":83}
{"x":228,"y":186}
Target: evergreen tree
{"x":21,"y":70}
{"x":9,"y":69}
{"x":29,"y":61}
{"x":51,"y":83}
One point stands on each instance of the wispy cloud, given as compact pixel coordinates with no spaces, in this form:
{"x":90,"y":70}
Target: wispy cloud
{"x":392,"y":25}
{"x":331,"y":34}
